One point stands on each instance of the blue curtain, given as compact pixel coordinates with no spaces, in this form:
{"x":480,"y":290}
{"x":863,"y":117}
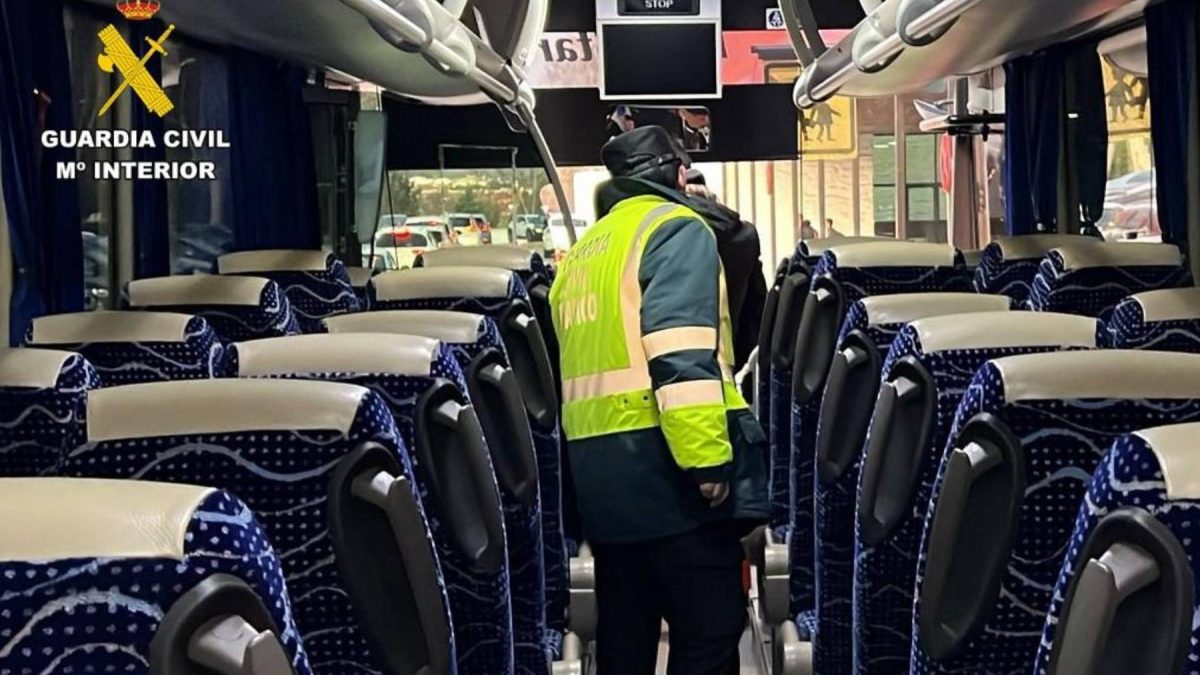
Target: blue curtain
{"x":273,"y":168}
{"x":1033,"y":135}
{"x":1087,"y":137}
{"x":151,"y":232}
{"x":1171,"y":34}
{"x":43,"y":213}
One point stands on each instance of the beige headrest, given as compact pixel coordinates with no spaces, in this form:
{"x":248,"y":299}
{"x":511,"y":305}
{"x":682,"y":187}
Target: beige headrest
{"x":34,"y":368}
{"x":375,"y":353}
{"x":81,"y":327}
{"x":46,"y":519}
{"x":1171,"y":304}
{"x":994,"y":330}
{"x":1115,"y":374}
{"x":442,"y":282}
{"x":906,"y":307}
{"x":1175,"y":446}
{"x":1117,"y":254}
{"x":360,"y":276}
{"x":818,"y":246}
{"x":973,"y":257}
{"x":199,"y":289}
{"x":509,"y":257}
{"x":1036,"y":246}
{"x":894,"y":254}
{"x":220,"y":406}
{"x":273,"y":261}
{"x":448,"y":327}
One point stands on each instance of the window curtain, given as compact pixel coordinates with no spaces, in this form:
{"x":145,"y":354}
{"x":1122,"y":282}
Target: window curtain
{"x":43,"y":213}
{"x":1171,"y":32}
{"x":273,"y":168}
{"x":151,"y":232}
{"x":1087,"y":135}
{"x":1033,"y":95}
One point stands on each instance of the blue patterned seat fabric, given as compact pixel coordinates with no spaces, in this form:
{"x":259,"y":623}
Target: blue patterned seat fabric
{"x":859,"y":271}
{"x":467,"y":337}
{"x":43,"y":394}
{"x":1090,"y":279}
{"x":92,"y":598}
{"x":277,"y":445}
{"x":316,"y":283}
{"x":877,"y":319}
{"x":1064,"y":410}
{"x":1149,"y":471}
{"x":238,"y":308}
{"x":950,"y":351}
{"x":360,"y":280}
{"x":1008,"y":265}
{"x":492,"y":292}
{"x":135,"y":347}
{"x":401,"y":370}
{"x":1166,"y":320}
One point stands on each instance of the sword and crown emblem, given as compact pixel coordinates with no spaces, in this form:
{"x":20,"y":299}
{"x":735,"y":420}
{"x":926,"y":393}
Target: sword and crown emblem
{"x":119,"y":57}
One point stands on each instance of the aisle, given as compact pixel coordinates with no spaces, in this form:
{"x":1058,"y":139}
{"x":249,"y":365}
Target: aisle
{"x":750,"y":665}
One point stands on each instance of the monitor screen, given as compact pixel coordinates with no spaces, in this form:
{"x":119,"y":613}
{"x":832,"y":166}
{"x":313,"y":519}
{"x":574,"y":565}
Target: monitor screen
{"x":660,"y":60}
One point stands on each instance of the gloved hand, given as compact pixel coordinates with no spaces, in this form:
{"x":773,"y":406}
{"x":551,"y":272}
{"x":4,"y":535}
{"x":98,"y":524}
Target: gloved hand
{"x":715,"y":493}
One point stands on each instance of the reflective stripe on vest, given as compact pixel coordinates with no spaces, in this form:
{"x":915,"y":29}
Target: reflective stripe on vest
{"x":607,"y":386}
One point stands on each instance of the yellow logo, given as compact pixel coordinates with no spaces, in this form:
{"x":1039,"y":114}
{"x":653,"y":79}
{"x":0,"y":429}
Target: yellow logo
{"x":119,"y":56}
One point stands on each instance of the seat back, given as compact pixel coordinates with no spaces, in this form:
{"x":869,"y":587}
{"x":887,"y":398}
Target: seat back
{"x":810,"y":251}
{"x":120,"y":577}
{"x":505,"y":256}
{"x":929,"y":365}
{"x":1166,"y":320}
{"x":42,"y":398}
{"x":426,"y":392}
{"x":500,"y":295}
{"x":1126,"y":594}
{"x":844,"y":275}
{"x":849,"y":398}
{"x":1028,"y":432}
{"x":1009,"y":264}
{"x":360,"y":279}
{"x":1090,"y":279}
{"x":316,"y":283}
{"x":135,"y":347}
{"x":322,"y":466}
{"x":238,"y":308}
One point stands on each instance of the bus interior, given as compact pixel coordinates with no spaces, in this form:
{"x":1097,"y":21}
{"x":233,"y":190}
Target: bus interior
{"x":282,"y":391}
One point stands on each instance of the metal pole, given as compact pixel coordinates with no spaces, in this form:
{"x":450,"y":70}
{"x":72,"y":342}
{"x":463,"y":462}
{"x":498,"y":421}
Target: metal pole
{"x":901,"y":155}
{"x":525,"y":111}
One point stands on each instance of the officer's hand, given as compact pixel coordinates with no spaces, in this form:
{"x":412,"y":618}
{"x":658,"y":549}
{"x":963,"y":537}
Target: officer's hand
{"x":715,"y":493}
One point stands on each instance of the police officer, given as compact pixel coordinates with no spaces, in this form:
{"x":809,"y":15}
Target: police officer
{"x":666,"y":457}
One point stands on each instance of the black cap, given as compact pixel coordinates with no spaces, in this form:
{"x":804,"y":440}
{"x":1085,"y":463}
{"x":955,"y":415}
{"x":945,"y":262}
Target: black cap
{"x":642,"y":150}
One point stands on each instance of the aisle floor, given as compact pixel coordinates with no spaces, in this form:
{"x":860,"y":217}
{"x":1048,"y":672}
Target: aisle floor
{"x":750,"y":664}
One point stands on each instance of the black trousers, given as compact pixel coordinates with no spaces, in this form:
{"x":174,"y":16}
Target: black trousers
{"x":693,"y":581}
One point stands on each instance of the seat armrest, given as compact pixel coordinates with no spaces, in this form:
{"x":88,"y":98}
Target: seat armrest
{"x":774,"y":581}
{"x":582,"y":609}
{"x":792,"y":655}
{"x":572,"y":657}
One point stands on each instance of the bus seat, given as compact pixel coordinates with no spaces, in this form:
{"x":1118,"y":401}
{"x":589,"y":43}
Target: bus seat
{"x":500,"y":295}
{"x":1009,"y":264}
{"x":360,"y":279}
{"x":238,"y":308}
{"x":845,"y":275}
{"x":42,"y":398}
{"x":810,"y":251}
{"x":1166,"y":320}
{"x":120,"y":577}
{"x":928,"y":367}
{"x":475,"y":342}
{"x":846,"y":407}
{"x":505,"y":256}
{"x":971,"y":259}
{"x":426,"y":392}
{"x":1028,"y":433}
{"x":1090,"y":279}
{"x":316,"y":283}
{"x":322,"y":466}
{"x":135,"y":347}
{"x":1125,"y":597}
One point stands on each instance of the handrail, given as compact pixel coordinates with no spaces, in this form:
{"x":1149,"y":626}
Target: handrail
{"x":924,"y":26}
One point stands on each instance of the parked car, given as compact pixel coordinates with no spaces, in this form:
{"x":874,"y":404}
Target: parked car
{"x":528,"y":227}
{"x":398,"y":247}
{"x":470,"y":228}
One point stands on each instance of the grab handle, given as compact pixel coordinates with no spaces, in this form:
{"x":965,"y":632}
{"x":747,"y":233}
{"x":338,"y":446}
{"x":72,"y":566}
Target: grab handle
{"x":531,"y":362}
{"x":816,"y":339}
{"x":846,"y":408}
{"x":971,"y":538}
